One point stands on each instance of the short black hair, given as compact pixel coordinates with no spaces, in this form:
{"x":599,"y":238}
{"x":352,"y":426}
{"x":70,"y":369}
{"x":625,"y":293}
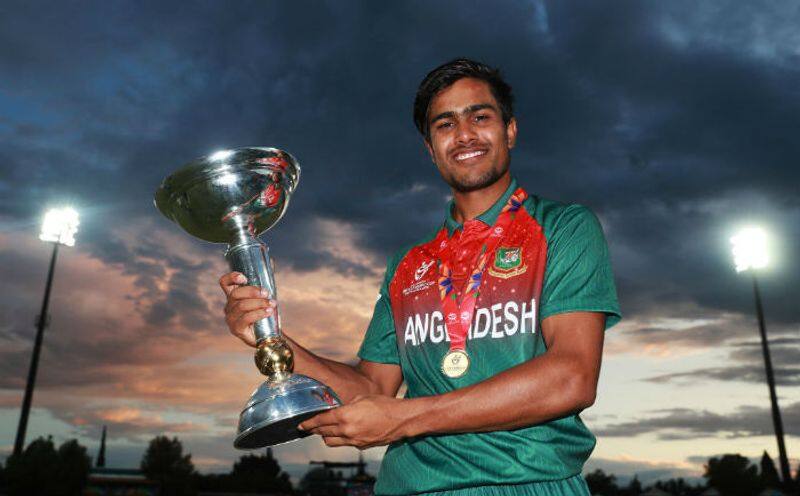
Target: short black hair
{"x":450,"y":72}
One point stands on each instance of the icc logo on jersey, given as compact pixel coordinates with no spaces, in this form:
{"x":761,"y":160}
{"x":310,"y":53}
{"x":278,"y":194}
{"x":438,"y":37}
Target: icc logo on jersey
{"x":422,"y":270}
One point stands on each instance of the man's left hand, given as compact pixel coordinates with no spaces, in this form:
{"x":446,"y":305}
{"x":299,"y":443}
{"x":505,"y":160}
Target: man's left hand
{"x":365,"y":422}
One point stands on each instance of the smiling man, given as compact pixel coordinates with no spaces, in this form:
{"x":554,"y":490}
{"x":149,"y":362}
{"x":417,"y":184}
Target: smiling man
{"x":494,"y":321}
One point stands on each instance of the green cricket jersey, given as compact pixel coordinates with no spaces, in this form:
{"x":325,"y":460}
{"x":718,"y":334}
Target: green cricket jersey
{"x":552,"y":259}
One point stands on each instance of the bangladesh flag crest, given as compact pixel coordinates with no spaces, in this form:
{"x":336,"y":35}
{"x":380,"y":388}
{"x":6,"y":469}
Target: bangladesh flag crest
{"x":507,"y":262}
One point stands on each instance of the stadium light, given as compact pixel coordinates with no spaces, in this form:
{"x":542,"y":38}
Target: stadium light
{"x":749,"y":254}
{"x":59,"y":227}
{"x":750,"y":249}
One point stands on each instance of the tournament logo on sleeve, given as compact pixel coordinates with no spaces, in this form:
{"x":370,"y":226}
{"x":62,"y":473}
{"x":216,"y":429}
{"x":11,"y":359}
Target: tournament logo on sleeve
{"x":508,"y":262}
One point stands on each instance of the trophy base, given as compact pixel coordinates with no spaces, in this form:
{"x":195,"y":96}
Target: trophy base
{"x":276,"y":408}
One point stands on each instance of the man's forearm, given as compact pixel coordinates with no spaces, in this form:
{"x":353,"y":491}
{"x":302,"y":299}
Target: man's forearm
{"x":560,"y":382}
{"x":347,"y":381}
{"x":539,"y":390}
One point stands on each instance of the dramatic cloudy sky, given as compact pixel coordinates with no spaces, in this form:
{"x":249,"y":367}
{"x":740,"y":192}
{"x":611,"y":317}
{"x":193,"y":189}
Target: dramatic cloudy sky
{"x":675,"y":121}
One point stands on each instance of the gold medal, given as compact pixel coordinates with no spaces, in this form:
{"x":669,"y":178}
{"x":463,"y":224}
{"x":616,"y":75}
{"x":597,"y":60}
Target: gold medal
{"x":455,"y":364}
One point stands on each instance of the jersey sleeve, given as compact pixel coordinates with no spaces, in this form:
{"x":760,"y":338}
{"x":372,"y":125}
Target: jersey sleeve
{"x":578,"y":275}
{"x":380,"y":341}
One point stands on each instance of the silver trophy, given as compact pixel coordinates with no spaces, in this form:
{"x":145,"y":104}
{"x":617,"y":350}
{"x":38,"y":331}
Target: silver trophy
{"x":233,"y":196}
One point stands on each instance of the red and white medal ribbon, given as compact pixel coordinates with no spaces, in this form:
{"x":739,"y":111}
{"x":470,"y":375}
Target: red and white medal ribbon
{"x":457,"y":314}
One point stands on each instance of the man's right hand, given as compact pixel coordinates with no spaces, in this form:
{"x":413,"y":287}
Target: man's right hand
{"x":245,"y":306}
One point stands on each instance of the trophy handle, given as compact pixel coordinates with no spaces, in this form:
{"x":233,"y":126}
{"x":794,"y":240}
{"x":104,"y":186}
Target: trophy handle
{"x":251,"y":258}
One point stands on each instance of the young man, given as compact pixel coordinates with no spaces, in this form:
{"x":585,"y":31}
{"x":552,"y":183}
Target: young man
{"x":495,"y":321}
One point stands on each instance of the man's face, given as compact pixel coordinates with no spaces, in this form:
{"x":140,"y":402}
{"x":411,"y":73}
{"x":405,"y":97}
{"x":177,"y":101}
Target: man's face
{"x":469,"y":142}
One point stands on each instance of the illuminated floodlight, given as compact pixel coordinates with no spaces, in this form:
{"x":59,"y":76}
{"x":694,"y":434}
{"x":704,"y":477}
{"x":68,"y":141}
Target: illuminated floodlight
{"x":60,"y":226}
{"x":221,"y":155}
{"x":750,"y":249}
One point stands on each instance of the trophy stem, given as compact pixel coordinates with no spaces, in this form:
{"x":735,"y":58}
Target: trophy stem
{"x":274,"y":357}
{"x":251,"y":257}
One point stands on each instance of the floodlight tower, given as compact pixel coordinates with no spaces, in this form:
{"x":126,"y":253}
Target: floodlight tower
{"x":59,"y":228}
{"x":750,"y":254}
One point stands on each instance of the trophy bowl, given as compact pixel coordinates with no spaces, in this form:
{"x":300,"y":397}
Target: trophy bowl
{"x":212,"y":196}
{"x":234,"y":196}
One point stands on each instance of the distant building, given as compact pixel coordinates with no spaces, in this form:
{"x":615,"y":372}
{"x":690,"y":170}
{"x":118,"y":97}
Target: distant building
{"x":324,"y":480}
{"x":104,"y":481}
{"x":119,"y":482}
{"x":654,"y":491}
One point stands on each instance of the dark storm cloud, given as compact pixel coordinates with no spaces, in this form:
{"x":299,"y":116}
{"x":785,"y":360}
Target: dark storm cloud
{"x":141,"y":109}
{"x":747,"y":365}
{"x":707,"y":134}
{"x":785,"y":376}
{"x":701,"y":336}
{"x":682,"y":423}
{"x":712,"y":113}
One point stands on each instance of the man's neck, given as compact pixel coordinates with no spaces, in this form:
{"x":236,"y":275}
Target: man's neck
{"x":468,"y":205}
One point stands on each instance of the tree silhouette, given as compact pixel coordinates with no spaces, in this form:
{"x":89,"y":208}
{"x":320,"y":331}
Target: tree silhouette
{"x":679,"y":487}
{"x":769,"y":474}
{"x":634,"y":487}
{"x":41,"y":469}
{"x":601,"y":483}
{"x":797,"y":476}
{"x":321,"y":480}
{"x":165,"y":462}
{"x":732,"y":475}
{"x":73,"y":468}
{"x":259,"y":473}
{"x":28,"y":472}
{"x":250,"y":474}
